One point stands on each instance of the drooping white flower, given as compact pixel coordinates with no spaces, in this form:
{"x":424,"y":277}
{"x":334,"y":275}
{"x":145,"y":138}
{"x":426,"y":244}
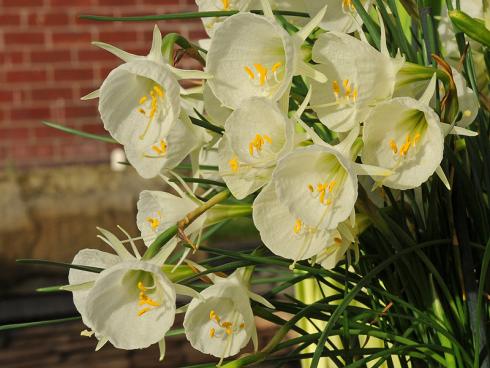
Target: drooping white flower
{"x":317,"y":184}
{"x":284,"y":233}
{"x":256,"y":135}
{"x":132,"y":304}
{"x":221,"y":322}
{"x":157,"y":211}
{"x":341,"y":15}
{"x":359,"y":76}
{"x":253,"y":56}
{"x":467,"y":100}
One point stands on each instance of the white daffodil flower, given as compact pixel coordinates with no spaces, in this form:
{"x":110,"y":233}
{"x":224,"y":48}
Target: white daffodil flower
{"x":221,"y":322}
{"x":174,"y":143}
{"x":317,"y":184}
{"x":359,"y":76}
{"x":253,"y":56}
{"x":284,"y":233}
{"x":467,"y":100}
{"x":343,"y":240}
{"x":131,"y":303}
{"x":256,"y":135}
{"x":340,"y":17}
{"x":157,"y":211}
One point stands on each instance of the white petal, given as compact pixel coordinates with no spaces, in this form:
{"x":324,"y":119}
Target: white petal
{"x":260,"y":299}
{"x":440,"y":173}
{"x":115,"y":244}
{"x":121,"y":54}
{"x":161,"y":348}
{"x":313,"y":23}
{"x":91,"y":95}
{"x":458,"y":130}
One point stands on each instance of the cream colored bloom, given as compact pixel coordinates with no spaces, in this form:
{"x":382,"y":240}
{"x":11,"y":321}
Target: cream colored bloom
{"x":221,"y":322}
{"x":341,"y":15}
{"x":359,"y":76}
{"x":256,"y":135}
{"x":253,"y":56}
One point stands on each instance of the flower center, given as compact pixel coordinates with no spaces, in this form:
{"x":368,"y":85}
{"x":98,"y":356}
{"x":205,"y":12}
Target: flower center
{"x":154,"y":221}
{"x":144,"y":300}
{"x":298,"y":224}
{"x":323,"y":191}
{"x":262,"y":75}
{"x":149,"y":105}
{"x":223,"y":327}
{"x":346,"y":94}
{"x":226,"y":4}
{"x":258,"y":142}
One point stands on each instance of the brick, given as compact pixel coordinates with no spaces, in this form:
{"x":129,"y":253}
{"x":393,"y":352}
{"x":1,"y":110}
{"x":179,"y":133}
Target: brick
{"x":117,"y":2}
{"x":30,"y":113}
{"x":71,"y":37}
{"x":43,"y":132}
{"x":9,"y":19}
{"x":50,"y":56}
{"x":81,"y":111}
{"x":117,"y":36}
{"x":22,"y":3}
{"x":27,"y":75}
{"x":13,"y":57}
{"x":24,"y":38}
{"x":48,"y":19}
{"x":94,"y":54}
{"x":51,"y":94}
{"x":6,"y":96}
{"x":73,"y":74}
{"x":14,"y":134}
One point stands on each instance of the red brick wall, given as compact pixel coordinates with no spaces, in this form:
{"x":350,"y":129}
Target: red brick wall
{"x":47,"y":63}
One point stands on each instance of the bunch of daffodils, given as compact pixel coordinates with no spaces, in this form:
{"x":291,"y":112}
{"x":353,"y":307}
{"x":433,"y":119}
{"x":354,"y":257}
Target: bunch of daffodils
{"x":293,"y":122}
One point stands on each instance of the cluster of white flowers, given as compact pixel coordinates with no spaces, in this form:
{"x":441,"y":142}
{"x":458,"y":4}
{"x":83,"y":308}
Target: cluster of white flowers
{"x":304,"y":189}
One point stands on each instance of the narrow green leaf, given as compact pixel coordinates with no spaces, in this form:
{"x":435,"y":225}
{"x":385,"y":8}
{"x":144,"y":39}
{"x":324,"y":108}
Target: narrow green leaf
{"x":80,"y":133}
{"x":16,"y":326}
{"x":44,"y":262}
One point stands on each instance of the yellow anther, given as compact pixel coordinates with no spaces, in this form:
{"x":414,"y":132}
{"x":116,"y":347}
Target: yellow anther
{"x":258,"y":142}
{"x":143,"y":100}
{"x":328,"y":202}
{"x":393,"y":146}
{"x":347,"y":87}
{"x":226,"y":4}
{"x":228,"y":331}
{"x":212,"y":332}
{"x":249,"y":72}
{"x":226,"y":324}
{"x":242,"y":325}
{"x":310,"y":188}
{"x":262,"y":71}
{"x":234,"y":164}
{"x":297,"y":226}
{"x":143,"y":311}
{"x":331,"y":185}
{"x":416,"y":138}
{"x":336,"y":88}
{"x":467,"y":113}
{"x":275,"y":67}
{"x":161,"y":148}
{"x":337,"y":240}
{"x":347,"y":4}
{"x":154,"y":223}
{"x":354,"y":94}
{"x":142,"y":287}
{"x":142,"y":111}
{"x":324,"y":190}
{"x":158,"y":90}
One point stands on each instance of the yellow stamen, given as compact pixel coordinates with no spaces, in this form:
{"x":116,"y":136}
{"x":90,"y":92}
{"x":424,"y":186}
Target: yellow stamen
{"x":393,"y":147}
{"x":416,"y":138}
{"x":158,"y":90}
{"x":467,"y":113}
{"x":336,"y":88}
{"x":143,"y":100}
{"x":156,"y":94}
{"x":249,"y":72}
{"x":275,"y":67}
{"x":160,"y":149}
{"x":212,"y":332}
{"x":142,"y":287}
{"x":234,"y":164}
{"x":226,"y":4}
{"x":142,"y":111}
{"x":297,"y":226}
{"x":242,"y":325}
{"x":228,"y":331}
{"x":258,"y":142}
{"x":262,"y":71}
{"x":143,"y":311}
{"x":310,"y":188}
{"x":267,"y":138}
